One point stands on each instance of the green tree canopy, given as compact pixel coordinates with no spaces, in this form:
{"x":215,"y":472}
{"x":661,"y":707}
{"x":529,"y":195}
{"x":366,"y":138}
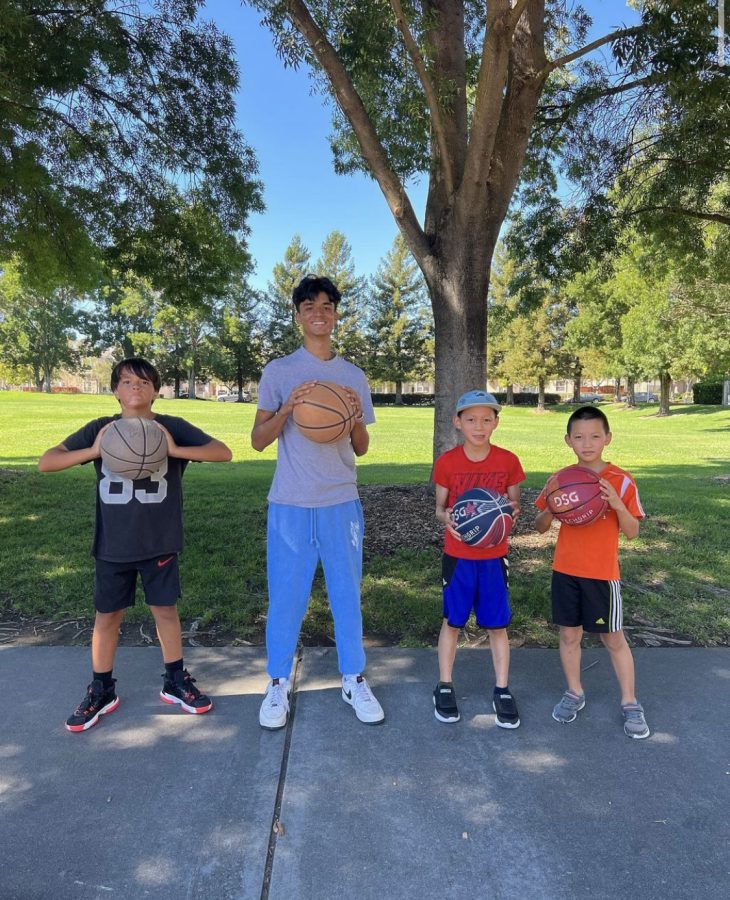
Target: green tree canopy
{"x":116,"y":138}
{"x":477,"y":96}
{"x":237,"y":338}
{"x":37,"y":330}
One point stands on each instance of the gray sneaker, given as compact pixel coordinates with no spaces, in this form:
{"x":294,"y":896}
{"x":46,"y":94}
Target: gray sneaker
{"x":634,"y":722}
{"x":569,"y":707}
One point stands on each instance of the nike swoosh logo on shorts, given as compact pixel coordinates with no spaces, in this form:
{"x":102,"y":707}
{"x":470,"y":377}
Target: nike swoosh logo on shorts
{"x":164,"y":562}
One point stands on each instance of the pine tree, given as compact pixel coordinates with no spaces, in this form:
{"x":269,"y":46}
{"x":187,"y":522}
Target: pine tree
{"x":337,"y":264}
{"x":282,"y":334}
{"x":399,"y":329}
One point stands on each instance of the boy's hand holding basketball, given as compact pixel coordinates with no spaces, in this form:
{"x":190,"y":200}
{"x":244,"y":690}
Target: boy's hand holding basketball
{"x":628,"y":524}
{"x":297,"y":396}
{"x":95,"y":449}
{"x":443,"y":514}
{"x":355,"y":404}
{"x":608,"y":492}
{"x":172,"y":448}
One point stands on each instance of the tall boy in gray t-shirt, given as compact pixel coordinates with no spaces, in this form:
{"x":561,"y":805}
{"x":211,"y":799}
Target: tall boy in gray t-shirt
{"x":314,"y":510}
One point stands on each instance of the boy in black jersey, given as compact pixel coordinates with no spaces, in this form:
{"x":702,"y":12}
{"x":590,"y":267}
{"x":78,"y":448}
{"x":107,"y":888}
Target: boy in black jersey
{"x":139,"y":529}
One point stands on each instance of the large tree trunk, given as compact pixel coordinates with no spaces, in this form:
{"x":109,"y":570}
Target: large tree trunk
{"x":630,"y":390}
{"x":510,"y":398}
{"x":458,"y":296}
{"x":665,"y":381}
{"x":541,"y":394}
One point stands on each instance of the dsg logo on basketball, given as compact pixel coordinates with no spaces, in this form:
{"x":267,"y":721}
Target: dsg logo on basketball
{"x":565,"y":499}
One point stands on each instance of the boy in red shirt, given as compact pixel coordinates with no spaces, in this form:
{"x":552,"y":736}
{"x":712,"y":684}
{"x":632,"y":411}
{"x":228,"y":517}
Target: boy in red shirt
{"x":586,"y":582}
{"x":475,"y":577}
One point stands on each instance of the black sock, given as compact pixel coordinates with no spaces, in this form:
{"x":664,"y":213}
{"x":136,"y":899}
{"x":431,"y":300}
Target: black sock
{"x":104,"y":677}
{"x":499,"y":690}
{"x":172,"y":667}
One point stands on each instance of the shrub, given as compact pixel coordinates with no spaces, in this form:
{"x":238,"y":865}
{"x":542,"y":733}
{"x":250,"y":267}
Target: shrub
{"x":523,"y":399}
{"x":708,"y":392}
{"x":527,"y":399}
{"x":408,"y":399}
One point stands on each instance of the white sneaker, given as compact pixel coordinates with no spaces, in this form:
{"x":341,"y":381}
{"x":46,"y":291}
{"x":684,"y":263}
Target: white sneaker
{"x":275,"y":707}
{"x":361,"y":699}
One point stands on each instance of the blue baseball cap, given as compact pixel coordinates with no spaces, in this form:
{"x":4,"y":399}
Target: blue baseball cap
{"x":477,"y":398}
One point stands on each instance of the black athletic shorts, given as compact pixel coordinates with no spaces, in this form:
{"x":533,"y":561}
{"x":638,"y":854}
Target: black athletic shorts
{"x":115,"y":583}
{"x":592,"y":603}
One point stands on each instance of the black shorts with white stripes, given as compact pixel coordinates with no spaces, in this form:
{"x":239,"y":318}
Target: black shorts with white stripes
{"x":591,"y":603}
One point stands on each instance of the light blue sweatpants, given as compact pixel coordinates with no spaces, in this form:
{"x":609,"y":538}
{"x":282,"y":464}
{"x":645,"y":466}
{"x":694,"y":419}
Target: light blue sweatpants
{"x":298,"y":538}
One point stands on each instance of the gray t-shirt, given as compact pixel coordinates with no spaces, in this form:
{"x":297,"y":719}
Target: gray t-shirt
{"x":310,"y":474}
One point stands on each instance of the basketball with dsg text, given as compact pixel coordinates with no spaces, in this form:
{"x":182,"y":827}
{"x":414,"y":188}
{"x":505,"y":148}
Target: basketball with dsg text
{"x":482,"y":517}
{"x":573,"y":496}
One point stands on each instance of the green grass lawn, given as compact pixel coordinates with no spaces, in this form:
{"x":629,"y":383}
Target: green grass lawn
{"x":676,"y":575}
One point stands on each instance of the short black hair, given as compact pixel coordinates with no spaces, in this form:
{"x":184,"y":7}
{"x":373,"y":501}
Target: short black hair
{"x":588,"y":412}
{"x":139,"y":367}
{"x":312,"y":285}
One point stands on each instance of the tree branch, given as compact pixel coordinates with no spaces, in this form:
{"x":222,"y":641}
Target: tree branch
{"x":493,"y":75}
{"x":588,"y":48}
{"x":430,"y":92}
{"x":354,"y":111}
{"x":680,"y":211}
{"x":517,"y":11}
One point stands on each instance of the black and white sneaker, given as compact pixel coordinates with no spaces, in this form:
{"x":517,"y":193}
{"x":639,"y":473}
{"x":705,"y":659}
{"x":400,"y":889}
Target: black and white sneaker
{"x":98,"y":702}
{"x":505,"y":706}
{"x":444,"y":702}
{"x":182,"y":690}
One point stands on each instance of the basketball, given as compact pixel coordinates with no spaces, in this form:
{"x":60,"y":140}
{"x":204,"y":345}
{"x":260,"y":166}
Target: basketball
{"x":325,"y":416}
{"x":482,"y":518}
{"x":573,"y":496}
{"x":133,"y":448}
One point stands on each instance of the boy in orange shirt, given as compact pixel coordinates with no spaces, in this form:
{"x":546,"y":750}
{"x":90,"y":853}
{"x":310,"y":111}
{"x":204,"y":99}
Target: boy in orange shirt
{"x":586,"y":585}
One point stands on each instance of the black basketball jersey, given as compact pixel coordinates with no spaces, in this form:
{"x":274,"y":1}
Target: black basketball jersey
{"x":138,"y":520}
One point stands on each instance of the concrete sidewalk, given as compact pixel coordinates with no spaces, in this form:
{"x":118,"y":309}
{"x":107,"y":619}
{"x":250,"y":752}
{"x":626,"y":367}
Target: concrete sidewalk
{"x":156,"y":803}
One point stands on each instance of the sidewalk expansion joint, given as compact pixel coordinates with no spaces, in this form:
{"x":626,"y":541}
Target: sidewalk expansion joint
{"x":276,"y":829}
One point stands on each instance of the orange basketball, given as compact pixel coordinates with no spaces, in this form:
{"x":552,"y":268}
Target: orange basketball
{"x":325,"y":416}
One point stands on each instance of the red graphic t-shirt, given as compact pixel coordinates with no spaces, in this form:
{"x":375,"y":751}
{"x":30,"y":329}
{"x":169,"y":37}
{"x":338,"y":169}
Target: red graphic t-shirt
{"x":455,"y":471}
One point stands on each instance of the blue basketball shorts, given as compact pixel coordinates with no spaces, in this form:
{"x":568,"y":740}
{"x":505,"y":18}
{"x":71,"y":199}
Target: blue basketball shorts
{"x":481,"y":585}
{"x":115,"y":583}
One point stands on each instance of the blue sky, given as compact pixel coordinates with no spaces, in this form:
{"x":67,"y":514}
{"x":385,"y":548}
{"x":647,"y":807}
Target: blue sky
{"x":288,"y":129}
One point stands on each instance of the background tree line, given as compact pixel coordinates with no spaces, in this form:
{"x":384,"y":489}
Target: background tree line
{"x":384,"y":322}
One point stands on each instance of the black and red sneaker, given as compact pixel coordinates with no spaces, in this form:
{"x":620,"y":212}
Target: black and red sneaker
{"x":182,"y":690}
{"x":98,"y":702}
